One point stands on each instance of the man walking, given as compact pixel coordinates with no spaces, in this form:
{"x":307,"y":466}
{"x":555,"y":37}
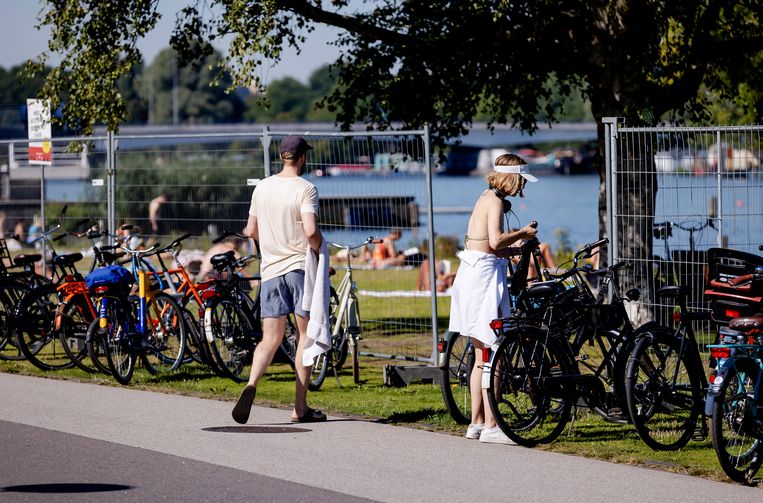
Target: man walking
{"x":283,"y":218}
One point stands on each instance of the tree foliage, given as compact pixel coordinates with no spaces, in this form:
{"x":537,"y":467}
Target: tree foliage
{"x":439,"y":62}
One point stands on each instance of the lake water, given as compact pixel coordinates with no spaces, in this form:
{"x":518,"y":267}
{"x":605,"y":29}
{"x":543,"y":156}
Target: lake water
{"x":556,"y":202}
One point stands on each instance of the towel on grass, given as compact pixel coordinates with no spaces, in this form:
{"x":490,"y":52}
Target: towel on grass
{"x":316,"y":300}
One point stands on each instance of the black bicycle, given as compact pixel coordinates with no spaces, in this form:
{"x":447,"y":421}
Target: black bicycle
{"x":570,"y":351}
{"x":665,"y":381}
{"x":232,"y":325}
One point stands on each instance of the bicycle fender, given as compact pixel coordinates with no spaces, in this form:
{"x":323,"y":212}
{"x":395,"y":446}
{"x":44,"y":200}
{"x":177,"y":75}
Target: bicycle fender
{"x":208,"y":333}
{"x":487,"y":365}
{"x":714,"y":388}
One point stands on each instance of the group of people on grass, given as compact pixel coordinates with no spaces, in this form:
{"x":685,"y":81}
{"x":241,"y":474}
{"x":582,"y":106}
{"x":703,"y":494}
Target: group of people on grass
{"x":283,"y":218}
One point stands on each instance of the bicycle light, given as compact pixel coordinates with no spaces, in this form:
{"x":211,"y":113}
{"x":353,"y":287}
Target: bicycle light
{"x":102,"y":289}
{"x":720,"y":352}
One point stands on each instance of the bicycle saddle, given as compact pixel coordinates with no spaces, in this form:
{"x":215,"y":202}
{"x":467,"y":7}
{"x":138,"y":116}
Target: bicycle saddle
{"x":747,"y":323}
{"x":222,"y":259}
{"x":673,"y":292}
{"x":544,"y":290}
{"x":67,"y":260}
{"x":25,"y":260}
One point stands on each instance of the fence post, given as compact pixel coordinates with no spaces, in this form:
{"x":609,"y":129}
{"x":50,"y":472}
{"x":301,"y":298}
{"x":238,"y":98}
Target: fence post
{"x":719,"y":187}
{"x":610,"y":182}
{"x":265,"y":140}
{"x":111,"y":181}
{"x":431,"y":250}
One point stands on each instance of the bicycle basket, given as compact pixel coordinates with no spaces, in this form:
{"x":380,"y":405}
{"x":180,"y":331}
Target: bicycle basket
{"x":115,"y":277}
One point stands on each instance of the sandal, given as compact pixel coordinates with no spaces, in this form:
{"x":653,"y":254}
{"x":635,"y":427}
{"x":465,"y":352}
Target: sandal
{"x":244,"y":405}
{"x":310,"y":416}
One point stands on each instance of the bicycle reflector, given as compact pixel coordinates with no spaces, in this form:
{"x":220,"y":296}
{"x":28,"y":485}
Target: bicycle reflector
{"x":732,"y":313}
{"x":496,"y":324}
{"x":102,"y":289}
{"x":720,"y":352}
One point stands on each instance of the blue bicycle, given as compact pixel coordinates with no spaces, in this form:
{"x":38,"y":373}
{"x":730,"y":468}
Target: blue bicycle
{"x":737,"y":394}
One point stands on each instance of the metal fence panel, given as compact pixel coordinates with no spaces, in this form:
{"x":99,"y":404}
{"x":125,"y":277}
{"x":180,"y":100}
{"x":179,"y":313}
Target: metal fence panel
{"x":674,"y":193}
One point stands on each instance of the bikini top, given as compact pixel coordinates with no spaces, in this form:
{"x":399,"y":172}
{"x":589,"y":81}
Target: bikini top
{"x":506,"y":209}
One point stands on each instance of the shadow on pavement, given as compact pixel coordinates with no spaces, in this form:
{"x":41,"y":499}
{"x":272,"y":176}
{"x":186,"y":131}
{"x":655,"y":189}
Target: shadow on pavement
{"x":64,"y":488}
{"x":255,"y":429}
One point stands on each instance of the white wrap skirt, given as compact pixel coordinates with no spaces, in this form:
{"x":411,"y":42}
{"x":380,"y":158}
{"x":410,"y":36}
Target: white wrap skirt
{"x":479,"y":295}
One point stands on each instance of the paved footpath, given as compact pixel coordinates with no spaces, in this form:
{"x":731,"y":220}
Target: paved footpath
{"x":68,"y":441}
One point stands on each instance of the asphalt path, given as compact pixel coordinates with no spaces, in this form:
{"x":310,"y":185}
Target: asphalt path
{"x":68,"y":441}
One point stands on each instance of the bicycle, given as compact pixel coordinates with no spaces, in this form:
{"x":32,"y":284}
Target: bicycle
{"x":737,"y":392}
{"x":344,"y":320}
{"x":154,"y":330}
{"x":190,"y":295}
{"x":665,"y":382}
{"x":533,"y":378}
{"x":232,"y":319}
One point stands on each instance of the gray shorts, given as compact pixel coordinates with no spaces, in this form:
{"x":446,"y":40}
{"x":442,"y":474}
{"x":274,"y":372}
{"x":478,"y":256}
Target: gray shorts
{"x":283,"y":295}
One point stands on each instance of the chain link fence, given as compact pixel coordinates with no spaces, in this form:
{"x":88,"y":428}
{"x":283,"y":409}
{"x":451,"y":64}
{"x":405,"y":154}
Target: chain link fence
{"x":673,"y":193}
{"x":369,"y":184}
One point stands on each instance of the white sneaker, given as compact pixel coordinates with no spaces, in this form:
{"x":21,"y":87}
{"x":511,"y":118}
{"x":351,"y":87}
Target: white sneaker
{"x":474,"y":430}
{"x":495,"y":436}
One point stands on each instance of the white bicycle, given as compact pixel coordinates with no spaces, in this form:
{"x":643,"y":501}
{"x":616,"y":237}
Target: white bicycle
{"x":345,"y":323}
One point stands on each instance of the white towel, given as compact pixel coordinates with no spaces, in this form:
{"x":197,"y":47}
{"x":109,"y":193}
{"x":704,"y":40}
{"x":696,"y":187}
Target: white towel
{"x":478,"y":295}
{"x":316,"y":300}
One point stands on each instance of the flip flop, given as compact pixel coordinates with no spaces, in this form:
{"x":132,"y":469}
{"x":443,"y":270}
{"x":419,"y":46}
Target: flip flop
{"x":310,"y":416}
{"x":243,"y":406}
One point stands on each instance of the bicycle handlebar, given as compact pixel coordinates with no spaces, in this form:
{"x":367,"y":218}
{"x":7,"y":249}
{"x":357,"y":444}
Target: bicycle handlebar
{"x":369,"y":240}
{"x":227,"y":234}
{"x":176,"y":242}
{"x":586,"y":249}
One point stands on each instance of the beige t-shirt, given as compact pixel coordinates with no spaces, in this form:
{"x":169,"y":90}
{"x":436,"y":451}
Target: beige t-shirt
{"x":278,"y":203}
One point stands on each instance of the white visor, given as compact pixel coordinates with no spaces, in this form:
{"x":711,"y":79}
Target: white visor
{"x":519,"y":169}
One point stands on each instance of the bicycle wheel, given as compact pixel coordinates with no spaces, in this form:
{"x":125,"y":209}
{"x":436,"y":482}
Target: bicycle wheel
{"x":664,"y":390}
{"x":454,"y":378}
{"x":95,"y":342}
{"x":72,"y":322}
{"x":320,"y":369}
{"x":354,"y":332}
{"x":164,"y":342}
{"x":120,"y":350}
{"x":35,"y":330}
{"x":229,"y":333}
{"x":736,"y":431}
{"x":11,"y":293}
{"x":527,"y":390}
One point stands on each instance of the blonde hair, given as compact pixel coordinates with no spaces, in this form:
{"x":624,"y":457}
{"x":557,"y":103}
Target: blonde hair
{"x":510,"y":184}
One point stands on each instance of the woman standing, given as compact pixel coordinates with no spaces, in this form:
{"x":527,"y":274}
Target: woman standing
{"x":479,"y":292}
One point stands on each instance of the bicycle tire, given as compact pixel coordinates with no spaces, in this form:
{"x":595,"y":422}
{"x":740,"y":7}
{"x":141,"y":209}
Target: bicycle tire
{"x":454,"y":378}
{"x":120,"y":348}
{"x":11,"y":292}
{"x":663,"y":390}
{"x":35,"y":329}
{"x":228,"y":332}
{"x":73,"y":321}
{"x":96,"y":347}
{"x":354,"y":331}
{"x":164,"y":343}
{"x":527,"y":391}
{"x":737,"y":444}
{"x":319,"y":371}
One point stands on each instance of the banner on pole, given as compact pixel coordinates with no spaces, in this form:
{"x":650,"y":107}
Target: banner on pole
{"x":38,"y":120}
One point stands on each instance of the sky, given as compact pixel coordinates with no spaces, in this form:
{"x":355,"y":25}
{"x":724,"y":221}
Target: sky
{"x":20,"y":40}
